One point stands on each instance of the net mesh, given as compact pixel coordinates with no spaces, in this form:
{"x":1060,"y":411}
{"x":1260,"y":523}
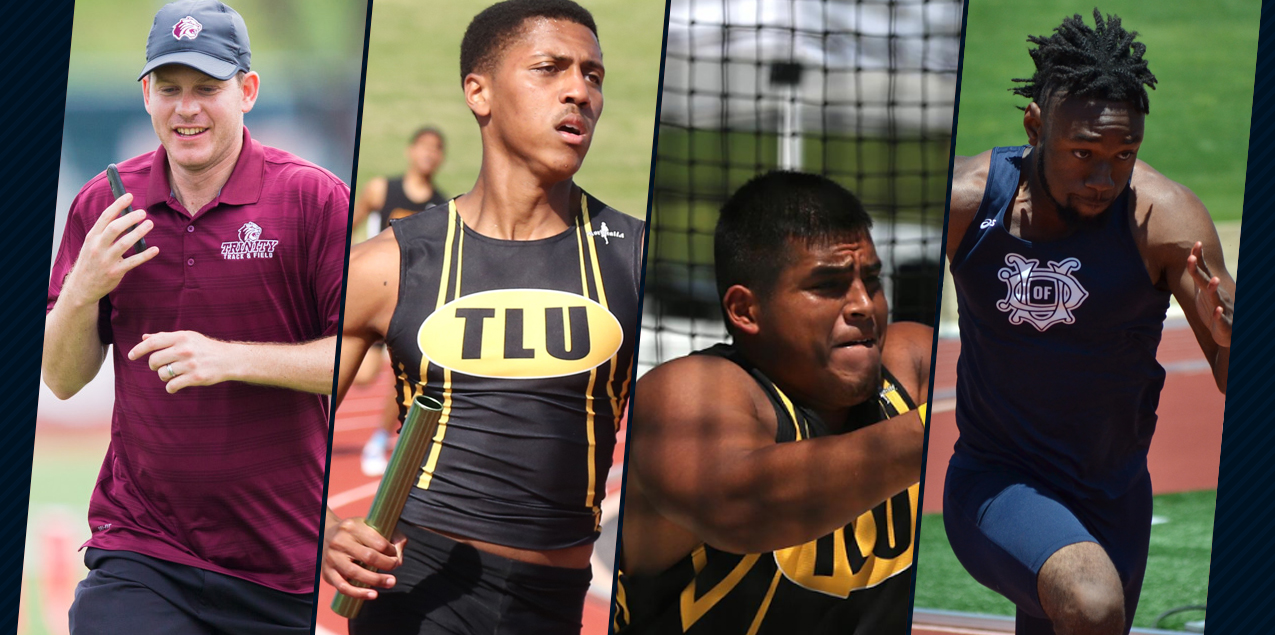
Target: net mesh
{"x":859,"y":91}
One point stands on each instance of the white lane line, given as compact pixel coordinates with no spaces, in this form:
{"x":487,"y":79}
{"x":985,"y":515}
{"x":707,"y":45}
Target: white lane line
{"x":366,"y":490}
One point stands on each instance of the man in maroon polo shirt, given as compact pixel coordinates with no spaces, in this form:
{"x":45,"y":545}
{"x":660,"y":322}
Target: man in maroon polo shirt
{"x":205,"y":516}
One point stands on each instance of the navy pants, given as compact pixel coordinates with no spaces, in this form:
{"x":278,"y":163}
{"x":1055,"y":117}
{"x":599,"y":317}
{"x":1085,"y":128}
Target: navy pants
{"x":1004,"y":526}
{"x":128,"y":593}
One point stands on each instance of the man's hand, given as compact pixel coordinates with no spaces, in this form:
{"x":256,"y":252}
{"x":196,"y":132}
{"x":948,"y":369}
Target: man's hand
{"x":1216,"y":307}
{"x":350,"y":542}
{"x":101,"y":263}
{"x":186,"y":358}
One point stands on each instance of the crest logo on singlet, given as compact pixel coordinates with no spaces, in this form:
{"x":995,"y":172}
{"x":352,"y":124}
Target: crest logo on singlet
{"x":249,"y":245}
{"x":605,"y":233}
{"x":187,"y":27}
{"x":520,"y":334}
{"x":1043,"y":297}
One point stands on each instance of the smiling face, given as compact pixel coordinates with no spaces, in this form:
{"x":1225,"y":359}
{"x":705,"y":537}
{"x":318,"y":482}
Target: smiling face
{"x":199,"y":119}
{"x":540,"y":101}
{"x":1085,"y":150}
{"x":823,"y":322}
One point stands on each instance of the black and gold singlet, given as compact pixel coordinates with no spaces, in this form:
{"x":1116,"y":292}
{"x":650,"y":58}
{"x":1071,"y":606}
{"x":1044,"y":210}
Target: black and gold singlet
{"x":855,"y":580}
{"x":398,"y":205}
{"x":529,"y":346}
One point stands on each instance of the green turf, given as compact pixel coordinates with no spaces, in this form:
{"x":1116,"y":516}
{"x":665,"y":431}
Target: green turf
{"x":1177,"y":569}
{"x":413,"y":78}
{"x":1202,"y":51}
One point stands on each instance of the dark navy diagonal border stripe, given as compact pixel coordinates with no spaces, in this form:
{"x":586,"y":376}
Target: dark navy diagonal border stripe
{"x":37,"y":37}
{"x":1240,"y":585}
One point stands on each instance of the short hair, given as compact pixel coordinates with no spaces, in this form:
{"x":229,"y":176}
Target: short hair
{"x":1103,"y":62}
{"x":424,"y":130}
{"x":493,"y":30}
{"x":751,"y":244}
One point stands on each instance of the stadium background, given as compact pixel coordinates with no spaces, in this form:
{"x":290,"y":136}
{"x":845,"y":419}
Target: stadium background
{"x":309,"y":56}
{"x":861,"y":92}
{"x":413,"y":79}
{"x":1202,"y":53}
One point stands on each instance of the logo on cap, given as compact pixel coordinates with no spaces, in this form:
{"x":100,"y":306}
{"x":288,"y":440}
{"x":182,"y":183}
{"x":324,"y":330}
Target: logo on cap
{"x":187,"y":27}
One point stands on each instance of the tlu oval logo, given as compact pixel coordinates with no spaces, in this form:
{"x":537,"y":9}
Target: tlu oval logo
{"x":520,"y":334}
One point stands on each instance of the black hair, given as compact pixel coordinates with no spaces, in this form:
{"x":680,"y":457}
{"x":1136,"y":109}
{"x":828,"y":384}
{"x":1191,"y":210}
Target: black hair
{"x":751,"y":245}
{"x":491,"y":31}
{"x":1103,"y":62}
{"x":424,"y":130}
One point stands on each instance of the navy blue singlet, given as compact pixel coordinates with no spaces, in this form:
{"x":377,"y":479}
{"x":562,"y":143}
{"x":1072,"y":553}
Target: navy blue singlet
{"x":1057,"y":375}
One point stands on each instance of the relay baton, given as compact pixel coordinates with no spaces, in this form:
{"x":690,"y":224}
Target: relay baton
{"x":400,"y":476}
{"x":117,"y":190}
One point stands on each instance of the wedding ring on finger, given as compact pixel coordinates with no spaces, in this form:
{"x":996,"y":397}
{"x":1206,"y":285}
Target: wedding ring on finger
{"x":171,"y":374}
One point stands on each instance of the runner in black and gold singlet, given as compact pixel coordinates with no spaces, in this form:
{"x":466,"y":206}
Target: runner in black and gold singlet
{"x":399,"y":205}
{"x":516,"y":306}
{"x":529,"y":346}
{"x":859,"y":574}
{"x":773,"y":482}
{"x":410,"y":192}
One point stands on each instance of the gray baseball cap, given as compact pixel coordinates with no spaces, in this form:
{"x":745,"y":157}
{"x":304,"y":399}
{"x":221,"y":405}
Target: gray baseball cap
{"x":205,"y":35}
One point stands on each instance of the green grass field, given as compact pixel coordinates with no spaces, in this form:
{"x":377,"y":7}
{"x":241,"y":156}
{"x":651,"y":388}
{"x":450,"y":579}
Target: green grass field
{"x":1177,"y":569}
{"x":1201,"y":51}
{"x":413,"y":79}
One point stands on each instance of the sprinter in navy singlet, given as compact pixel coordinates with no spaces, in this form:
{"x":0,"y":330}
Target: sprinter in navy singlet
{"x":772,"y":484}
{"x":1064,"y":254}
{"x":516,"y":307}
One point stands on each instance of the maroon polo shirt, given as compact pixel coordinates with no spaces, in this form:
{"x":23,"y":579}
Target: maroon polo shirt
{"x":227,"y":478}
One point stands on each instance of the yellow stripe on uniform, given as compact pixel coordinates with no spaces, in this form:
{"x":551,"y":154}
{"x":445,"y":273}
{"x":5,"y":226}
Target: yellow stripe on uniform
{"x":765,"y":604}
{"x":407,"y":394}
{"x":582,"y":237}
{"x":693,"y":608}
{"x":452,"y":216}
{"x":891,"y":394}
{"x":431,"y":463}
{"x":602,"y":296}
{"x":622,"y":615}
{"x":792,"y":412}
{"x":427,"y":472}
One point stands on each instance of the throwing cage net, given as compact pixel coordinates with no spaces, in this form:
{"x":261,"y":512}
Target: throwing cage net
{"x":861,"y":91}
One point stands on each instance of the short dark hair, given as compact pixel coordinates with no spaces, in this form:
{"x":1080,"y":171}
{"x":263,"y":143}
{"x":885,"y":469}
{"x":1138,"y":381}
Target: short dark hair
{"x":1103,"y":62}
{"x":491,"y":31}
{"x":751,"y":243}
{"x":424,"y":130}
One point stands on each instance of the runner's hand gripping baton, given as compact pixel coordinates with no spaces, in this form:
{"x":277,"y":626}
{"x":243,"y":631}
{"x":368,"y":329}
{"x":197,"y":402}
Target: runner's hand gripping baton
{"x":117,"y":190}
{"x":400,"y":476}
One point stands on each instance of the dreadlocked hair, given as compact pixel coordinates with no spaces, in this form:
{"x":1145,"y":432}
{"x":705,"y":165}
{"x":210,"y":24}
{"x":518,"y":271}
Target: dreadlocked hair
{"x":1103,"y":62}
